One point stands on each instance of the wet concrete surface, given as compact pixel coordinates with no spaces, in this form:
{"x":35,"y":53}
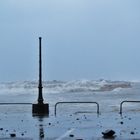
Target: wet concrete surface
{"x":72,"y":122}
{"x":88,"y":126}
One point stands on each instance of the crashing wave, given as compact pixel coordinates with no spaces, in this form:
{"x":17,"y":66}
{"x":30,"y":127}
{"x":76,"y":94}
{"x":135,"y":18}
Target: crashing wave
{"x":69,"y":86}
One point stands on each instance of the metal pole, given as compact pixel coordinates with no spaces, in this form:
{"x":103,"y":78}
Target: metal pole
{"x":40,"y":108}
{"x":40,"y":96}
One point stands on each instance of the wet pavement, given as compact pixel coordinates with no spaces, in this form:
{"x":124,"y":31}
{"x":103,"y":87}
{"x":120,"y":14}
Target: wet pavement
{"x":72,"y":121}
{"x":76,"y":126}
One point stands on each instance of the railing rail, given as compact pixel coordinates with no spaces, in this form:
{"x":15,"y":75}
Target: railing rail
{"x":15,"y":103}
{"x":121,"y":105}
{"x":74,"y":102}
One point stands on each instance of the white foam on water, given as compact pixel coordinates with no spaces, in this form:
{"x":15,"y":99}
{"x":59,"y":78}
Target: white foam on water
{"x":65,"y":86}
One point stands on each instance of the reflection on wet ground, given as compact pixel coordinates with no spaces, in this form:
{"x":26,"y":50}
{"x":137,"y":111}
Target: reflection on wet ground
{"x":79,"y":126}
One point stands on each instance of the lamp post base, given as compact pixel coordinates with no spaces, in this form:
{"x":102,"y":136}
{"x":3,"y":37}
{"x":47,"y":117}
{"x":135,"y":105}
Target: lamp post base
{"x":40,"y":109}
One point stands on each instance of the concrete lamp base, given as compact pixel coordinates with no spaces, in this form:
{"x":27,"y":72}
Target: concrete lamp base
{"x":40,"y":109}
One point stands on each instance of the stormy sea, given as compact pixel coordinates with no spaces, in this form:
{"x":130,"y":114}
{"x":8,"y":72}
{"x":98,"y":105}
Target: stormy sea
{"x":71,"y":121}
{"x":107,"y":93}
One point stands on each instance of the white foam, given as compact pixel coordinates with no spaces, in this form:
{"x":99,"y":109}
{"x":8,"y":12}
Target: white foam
{"x":66,"y":86}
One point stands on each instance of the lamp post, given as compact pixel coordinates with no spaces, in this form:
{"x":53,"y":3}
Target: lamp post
{"x":40,"y":108}
{"x":40,"y":96}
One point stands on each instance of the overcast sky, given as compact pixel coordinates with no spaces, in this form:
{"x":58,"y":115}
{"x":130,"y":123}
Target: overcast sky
{"x":82,"y":39}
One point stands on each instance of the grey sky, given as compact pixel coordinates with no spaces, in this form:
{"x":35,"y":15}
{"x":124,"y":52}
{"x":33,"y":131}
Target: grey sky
{"x":82,"y":39}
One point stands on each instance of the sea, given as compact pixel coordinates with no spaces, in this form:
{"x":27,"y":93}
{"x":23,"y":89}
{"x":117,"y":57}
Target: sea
{"x":107,"y":93}
{"x":72,"y":121}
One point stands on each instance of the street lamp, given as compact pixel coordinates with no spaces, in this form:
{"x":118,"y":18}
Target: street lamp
{"x":40,"y":108}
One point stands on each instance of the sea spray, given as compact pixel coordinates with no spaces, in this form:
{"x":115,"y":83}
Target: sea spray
{"x":67,"y":86}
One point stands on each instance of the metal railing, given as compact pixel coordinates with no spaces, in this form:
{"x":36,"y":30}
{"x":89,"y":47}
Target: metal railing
{"x":74,"y":102}
{"x":121,"y":105}
{"x":15,"y":103}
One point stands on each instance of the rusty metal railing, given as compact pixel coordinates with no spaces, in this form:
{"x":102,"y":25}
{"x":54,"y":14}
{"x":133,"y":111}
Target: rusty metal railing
{"x":121,"y":105}
{"x":74,"y":102}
